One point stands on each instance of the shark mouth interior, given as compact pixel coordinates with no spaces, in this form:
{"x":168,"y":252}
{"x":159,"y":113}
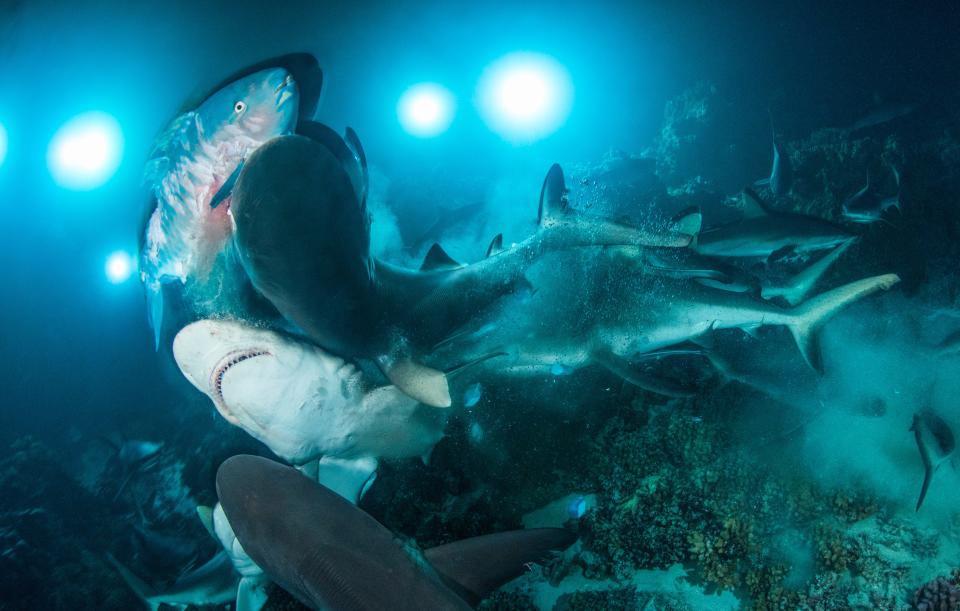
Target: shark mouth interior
{"x":216,"y":378}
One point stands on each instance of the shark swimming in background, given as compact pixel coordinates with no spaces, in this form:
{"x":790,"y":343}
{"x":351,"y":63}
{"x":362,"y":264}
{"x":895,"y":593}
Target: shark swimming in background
{"x":212,"y":583}
{"x":781,"y":172}
{"x":866,"y":206}
{"x":763,"y":232}
{"x":602,"y":312}
{"x":329,"y":554}
{"x":936,"y":443}
{"x":303,"y":237}
{"x":194,"y":164}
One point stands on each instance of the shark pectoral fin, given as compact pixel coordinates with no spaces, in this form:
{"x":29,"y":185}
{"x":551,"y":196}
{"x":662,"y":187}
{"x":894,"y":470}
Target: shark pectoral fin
{"x":475,"y":567}
{"x":350,"y":478}
{"x":752,"y":206}
{"x":309,"y":469}
{"x":438,"y":259}
{"x":155,"y":308}
{"x":251,"y":593}
{"x":205,"y":513}
{"x":806,"y":319}
{"x":781,"y":253}
{"x":927,"y":477}
{"x":425,"y":384}
{"x":639,"y":377}
{"x":139,"y":586}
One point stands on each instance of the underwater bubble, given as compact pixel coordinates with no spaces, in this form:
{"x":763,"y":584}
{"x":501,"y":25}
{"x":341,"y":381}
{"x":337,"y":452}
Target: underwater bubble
{"x":85,"y":152}
{"x":525,"y":96}
{"x":119,"y":267}
{"x":426,"y":110}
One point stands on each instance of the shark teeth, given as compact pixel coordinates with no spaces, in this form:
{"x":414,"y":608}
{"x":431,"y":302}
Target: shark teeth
{"x":216,"y":378}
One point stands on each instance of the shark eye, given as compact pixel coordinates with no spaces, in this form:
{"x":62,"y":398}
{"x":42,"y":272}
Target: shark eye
{"x":239,"y":107}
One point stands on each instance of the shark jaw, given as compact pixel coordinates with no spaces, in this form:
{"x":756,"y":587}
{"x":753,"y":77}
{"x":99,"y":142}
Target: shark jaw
{"x":216,"y":378}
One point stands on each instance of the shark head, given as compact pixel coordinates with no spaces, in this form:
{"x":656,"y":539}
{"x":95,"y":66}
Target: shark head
{"x":289,"y":394}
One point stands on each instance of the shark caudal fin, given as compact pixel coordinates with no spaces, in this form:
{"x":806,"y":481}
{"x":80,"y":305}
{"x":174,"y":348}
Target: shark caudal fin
{"x":143,"y":591}
{"x":806,"y":319}
{"x":799,"y":286}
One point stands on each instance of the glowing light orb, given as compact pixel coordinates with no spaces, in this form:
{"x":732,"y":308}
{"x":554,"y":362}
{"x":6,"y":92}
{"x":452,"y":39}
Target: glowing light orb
{"x":3,"y":143}
{"x":524,"y":97}
{"x":426,"y":110}
{"x":119,"y":267}
{"x":85,"y":152}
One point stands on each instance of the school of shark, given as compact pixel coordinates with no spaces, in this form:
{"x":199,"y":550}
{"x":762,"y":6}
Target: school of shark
{"x":257,"y":264}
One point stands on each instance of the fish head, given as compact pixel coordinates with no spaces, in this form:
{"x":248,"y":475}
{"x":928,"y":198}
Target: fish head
{"x":291,"y":395}
{"x":248,"y":112}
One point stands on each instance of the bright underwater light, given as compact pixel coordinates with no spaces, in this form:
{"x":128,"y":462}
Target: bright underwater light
{"x":426,"y":110}
{"x":3,"y":143}
{"x":85,"y":151}
{"x":525,"y":96}
{"x":119,"y":267}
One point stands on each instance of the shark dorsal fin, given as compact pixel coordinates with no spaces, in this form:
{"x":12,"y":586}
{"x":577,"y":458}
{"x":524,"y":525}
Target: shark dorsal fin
{"x":496,"y":245}
{"x":438,"y":259}
{"x":553,"y":195}
{"x":688,"y":221}
{"x":753,"y":207}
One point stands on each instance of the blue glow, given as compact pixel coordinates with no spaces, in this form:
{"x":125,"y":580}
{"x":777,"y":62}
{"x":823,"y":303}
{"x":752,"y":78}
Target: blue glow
{"x":524,"y":97}
{"x":426,"y":110}
{"x":119,"y":267}
{"x":3,"y":143}
{"x":85,"y":152}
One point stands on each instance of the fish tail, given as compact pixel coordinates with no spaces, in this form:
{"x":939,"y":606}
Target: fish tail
{"x":139,"y":586}
{"x":806,"y":319}
{"x":927,"y":477}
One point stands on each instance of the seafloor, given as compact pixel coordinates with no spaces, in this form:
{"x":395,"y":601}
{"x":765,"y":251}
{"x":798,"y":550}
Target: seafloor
{"x":707,"y":502}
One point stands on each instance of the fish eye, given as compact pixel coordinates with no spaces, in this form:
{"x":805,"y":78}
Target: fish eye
{"x":239,"y":107}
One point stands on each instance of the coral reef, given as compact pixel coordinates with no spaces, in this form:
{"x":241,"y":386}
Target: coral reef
{"x":940,"y":594}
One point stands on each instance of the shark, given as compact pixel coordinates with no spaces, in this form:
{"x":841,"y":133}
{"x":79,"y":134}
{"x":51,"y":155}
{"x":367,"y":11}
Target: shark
{"x":212,"y":583}
{"x":193,"y":165}
{"x":601,"y":312}
{"x":329,"y":554}
{"x":764,"y":231}
{"x":302,"y":232}
{"x":936,"y":444}
{"x":781,"y":172}
{"x":309,"y":407}
{"x":866,"y":206}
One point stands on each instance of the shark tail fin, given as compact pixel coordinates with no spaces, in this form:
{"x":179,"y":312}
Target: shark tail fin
{"x":143,"y":591}
{"x":806,"y":319}
{"x":155,"y":310}
{"x":800,"y":285}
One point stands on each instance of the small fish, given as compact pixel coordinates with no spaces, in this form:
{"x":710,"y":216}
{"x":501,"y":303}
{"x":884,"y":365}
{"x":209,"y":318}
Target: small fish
{"x":472,"y":395}
{"x":476,"y":433}
{"x":134,"y":451}
{"x":559,"y":369}
{"x":936,"y":444}
{"x":950,"y":345}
